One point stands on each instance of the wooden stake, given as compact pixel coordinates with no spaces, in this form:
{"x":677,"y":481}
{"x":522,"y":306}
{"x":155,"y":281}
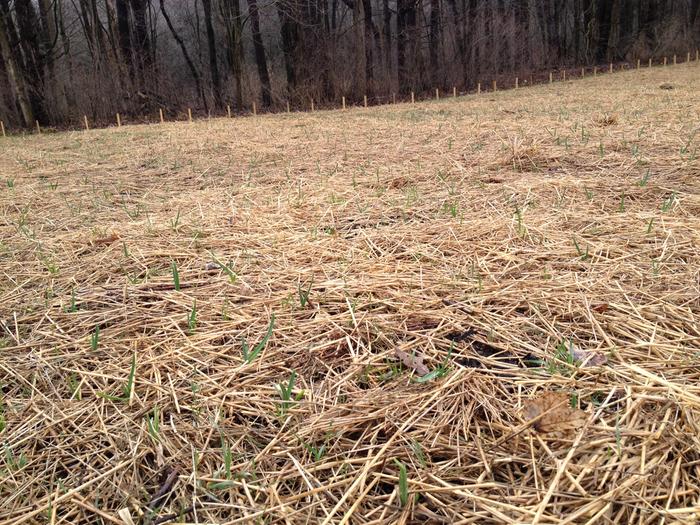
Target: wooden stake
{"x":288,"y":111}
{"x":494,"y":85}
{"x":665,"y":60}
{"x":119,"y":121}
{"x":413,"y":97}
{"x":365,"y":100}
{"x":228,"y":110}
{"x":255,"y":108}
{"x":38,"y":127}
{"x":551,"y":77}
{"x":189,"y":114}
{"x":564,"y":72}
{"x":312,"y":105}
{"x":393,"y":96}
{"x":687,"y":58}
{"x":674,"y":60}
{"x":454,"y":91}
{"x":611,"y":67}
{"x":595,"y":71}
{"x":650,"y":62}
{"x":697,"y":54}
{"x":2,"y":128}
{"x":583,"y":72}
{"x":437,"y":94}
{"x":343,"y":102}
{"x":87,"y":127}
{"x":478,"y":88}
{"x":516,"y":82}
{"x":160,"y":110}
{"x":639,"y":63}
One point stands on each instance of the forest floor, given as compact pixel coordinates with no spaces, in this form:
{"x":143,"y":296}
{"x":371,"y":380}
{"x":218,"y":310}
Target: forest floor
{"x":483,"y":309}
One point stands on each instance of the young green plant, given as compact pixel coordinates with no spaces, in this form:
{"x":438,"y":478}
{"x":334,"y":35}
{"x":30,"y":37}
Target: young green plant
{"x":248,"y":355}
{"x":127,"y":389}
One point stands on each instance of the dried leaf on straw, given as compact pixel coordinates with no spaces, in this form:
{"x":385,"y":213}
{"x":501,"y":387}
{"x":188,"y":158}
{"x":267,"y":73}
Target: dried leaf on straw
{"x":412,"y":361}
{"x":587,"y":357}
{"x":104,"y":241}
{"x":553,"y":413}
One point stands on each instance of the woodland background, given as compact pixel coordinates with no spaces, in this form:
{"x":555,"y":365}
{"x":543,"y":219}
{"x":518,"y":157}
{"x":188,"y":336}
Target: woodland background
{"x":62,"y":59}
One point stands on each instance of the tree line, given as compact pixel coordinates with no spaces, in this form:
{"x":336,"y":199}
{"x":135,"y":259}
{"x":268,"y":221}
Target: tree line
{"x":62,"y":59}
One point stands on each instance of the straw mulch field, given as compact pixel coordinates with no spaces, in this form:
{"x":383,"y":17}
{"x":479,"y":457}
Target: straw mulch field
{"x":474,"y":310}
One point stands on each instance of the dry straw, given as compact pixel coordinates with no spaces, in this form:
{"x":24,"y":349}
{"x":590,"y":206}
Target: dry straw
{"x":219,"y":322}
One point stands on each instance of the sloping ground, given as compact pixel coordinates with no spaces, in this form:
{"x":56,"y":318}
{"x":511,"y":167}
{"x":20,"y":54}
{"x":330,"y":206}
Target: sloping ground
{"x":534,"y":255}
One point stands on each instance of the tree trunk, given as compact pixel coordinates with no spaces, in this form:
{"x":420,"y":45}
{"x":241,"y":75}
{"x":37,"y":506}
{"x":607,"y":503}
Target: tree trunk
{"x":369,"y":45}
{"x":186,"y":55}
{"x":434,"y":41}
{"x":289,"y":33}
{"x":213,"y":62}
{"x":406,"y":44}
{"x":259,"y":48}
{"x":614,"y":35}
{"x":14,"y":73}
{"x":30,"y":43}
{"x":232,"y":19}
{"x":387,"y":37}
{"x":358,"y":21}
{"x":124,"y":31}
{"x":141,"y":35}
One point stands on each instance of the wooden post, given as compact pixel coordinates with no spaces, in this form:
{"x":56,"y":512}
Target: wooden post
{"x":413,"y":97}
{"x":343,"y":102}
{"x":687,"y":58}
{"x":119,"y":121}
{"x":38,"y":127}
{"x":611,"y":67}
{"x":2,"y":128}
{"x":393,"y":96}
{"x":437,"y":94}
{"x":639,"y":63}
{"x":516,"y":82}
{"x":494,"y":85}
{"x":650,"y":61}
{"x":454,"y":91}
{"x":365,"y":99}
{"x":564,"y":72}
{"x":478,"y":88}
{"x":595,"y":71}
{"x":665,"y":60}
{"x":674,"y":60}
{"x":697,"y":54}
{"x":228,"y":110}
{"x":255,"y":109}
{"x":551,"y":78}
{"x":312,"y":105}
{"x":189,"y":114}
{"x":583,"y":72}
{"x":87,"y":126}
{"x":288,"y":111}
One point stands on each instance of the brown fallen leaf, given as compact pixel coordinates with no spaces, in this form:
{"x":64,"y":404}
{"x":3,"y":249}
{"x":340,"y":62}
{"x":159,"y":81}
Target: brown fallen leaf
{"x":601,"y":308}
{"x":106,"y":240}
{"x":553,"y":413}
{"x":605,"y":120}
{"x":587,"y":357}
{"x":412,"y":361}
{"x":397,"y":183}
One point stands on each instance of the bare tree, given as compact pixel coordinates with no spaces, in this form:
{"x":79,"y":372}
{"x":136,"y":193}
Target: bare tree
{"x":260,"y":59}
